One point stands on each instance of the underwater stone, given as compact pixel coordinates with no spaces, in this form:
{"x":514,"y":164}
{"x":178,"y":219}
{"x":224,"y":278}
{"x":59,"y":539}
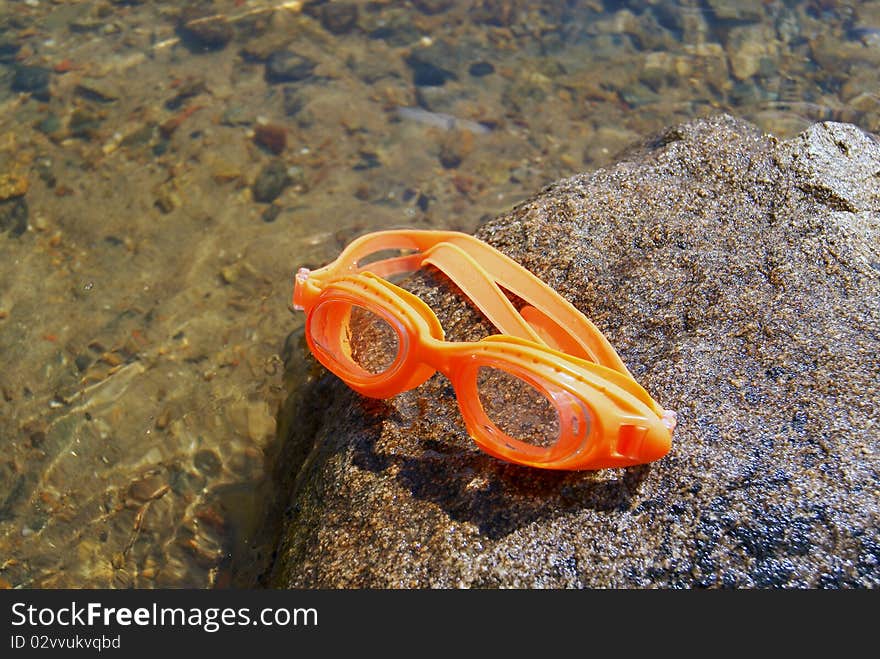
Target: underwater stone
{"x":14,"y":216}
{"x":480,"y":69}
{"x":432,"y":6}
{"x":202,"y":31}
{"x":270,"y":182}
{"x":8,"y":49}
{"x":33,"y":80}
{"x":434,"y":65}
{"x":294,"y":100}
{"x":393,"y":25}
{"x":339,"y":17}
{"x":737,"y":10}
{"x":287,"y":66}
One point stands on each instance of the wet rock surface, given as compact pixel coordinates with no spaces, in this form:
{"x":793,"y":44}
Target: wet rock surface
{"x":737,"y":276}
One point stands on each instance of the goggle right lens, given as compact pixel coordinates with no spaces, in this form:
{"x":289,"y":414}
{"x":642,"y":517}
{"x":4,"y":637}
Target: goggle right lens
{"x":517,"y":408}
{"x":524,"y":417}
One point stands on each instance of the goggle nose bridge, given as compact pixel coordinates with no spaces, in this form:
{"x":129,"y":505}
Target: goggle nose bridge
{"x":412,"y":301}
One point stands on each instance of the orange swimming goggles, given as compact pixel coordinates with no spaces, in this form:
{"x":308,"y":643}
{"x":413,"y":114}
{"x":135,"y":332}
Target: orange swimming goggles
{"x":549,"y":391}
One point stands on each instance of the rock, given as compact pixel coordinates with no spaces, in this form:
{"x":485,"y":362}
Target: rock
{"x":832,"y":54}
{"x":203,"y":31}
{"x":648,"y":34}
{"x":694,"y":25}
{"x":237,"y":115}
{"x":637,"y":94}
{"x":261,"y":46}
{"x":671,"y":15}
{"x":260,"y":422}
{"x":747,"y":47}
{"x":433,"y":65}
{"x":168,"y":197}
{"x":14,"y":216}
{"x":90,"y":24}
{"x":788,"y":26}
{"x":500,"y":13}
{"x":814,"y":156}
{"x":230,"y":274}
{"x":653,"y":77}
{"x":82,"y":362}
{"x":271,"y":181}
{"x":339,"y":17}
{"x":271,"y":213}
{"x":481,"y":68}
{"x":392,"y":25}
{"x":445,"y":100}
{"x":709,"y":61}
{"x":454,"y":147}
{"x":293,"y":100}
{"x":84,"y":123}
{"x":737,"y":10}
{"x":13,"y":185}
{"x":432,"y":6}
{"x":737,"y":277}
{"x":51,"y":125}
{"x":138,"y":135}
{"x":8,"y":49}
{"x":287,"y":66}
{"x":207,"y":462}
{"x":526,"y":93}
{"x":33,"y":80}
{"x":188,"y":88}
{"x":98,"y":90}
{"x":147,"y":488}
{"x":272,"y":137}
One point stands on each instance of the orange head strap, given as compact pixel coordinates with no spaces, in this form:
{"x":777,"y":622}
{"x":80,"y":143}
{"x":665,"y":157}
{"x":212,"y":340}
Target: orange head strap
{"x":480,"y":271}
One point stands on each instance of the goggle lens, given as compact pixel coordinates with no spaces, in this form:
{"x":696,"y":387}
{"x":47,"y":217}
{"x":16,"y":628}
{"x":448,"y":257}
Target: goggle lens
{"x":517,"y":408}
{"x":518,"y":415}
{"x":360,"y":341}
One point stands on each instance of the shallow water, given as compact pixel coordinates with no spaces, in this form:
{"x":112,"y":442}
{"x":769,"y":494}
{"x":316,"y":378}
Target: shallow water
{"x":166,"y":166}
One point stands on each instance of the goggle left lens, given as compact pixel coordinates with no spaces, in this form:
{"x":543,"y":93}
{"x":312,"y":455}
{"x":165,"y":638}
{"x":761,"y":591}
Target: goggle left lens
{"x":361,"y":342}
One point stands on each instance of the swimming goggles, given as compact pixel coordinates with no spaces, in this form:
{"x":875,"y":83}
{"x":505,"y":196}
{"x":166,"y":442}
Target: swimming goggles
{"x":549,"y":391}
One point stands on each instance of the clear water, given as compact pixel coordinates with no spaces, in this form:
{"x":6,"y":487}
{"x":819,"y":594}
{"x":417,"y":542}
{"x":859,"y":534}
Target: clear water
{"x":165,"y":167}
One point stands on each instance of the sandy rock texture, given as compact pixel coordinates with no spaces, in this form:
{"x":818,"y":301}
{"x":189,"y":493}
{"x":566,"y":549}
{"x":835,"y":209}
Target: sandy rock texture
{"x":738,"y":276}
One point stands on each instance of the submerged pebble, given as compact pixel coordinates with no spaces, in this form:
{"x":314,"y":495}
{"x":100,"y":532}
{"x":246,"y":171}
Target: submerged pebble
{"x":33,"y":80}
{"x":98,"y":90}
{"x":273,"y":137}
{"x":433,"y":65}
{"x":433,"y":6}
{"x":339,"y":17}
{"x":14,"y":216}
{"x":8,"y":49}
{"x":288,"y":66}
{"x":441,"y":120}
{"x":480,"y":69}
{"x":205,"y":31}
{"x":208,"y":462}
{"x":270,"y":181}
